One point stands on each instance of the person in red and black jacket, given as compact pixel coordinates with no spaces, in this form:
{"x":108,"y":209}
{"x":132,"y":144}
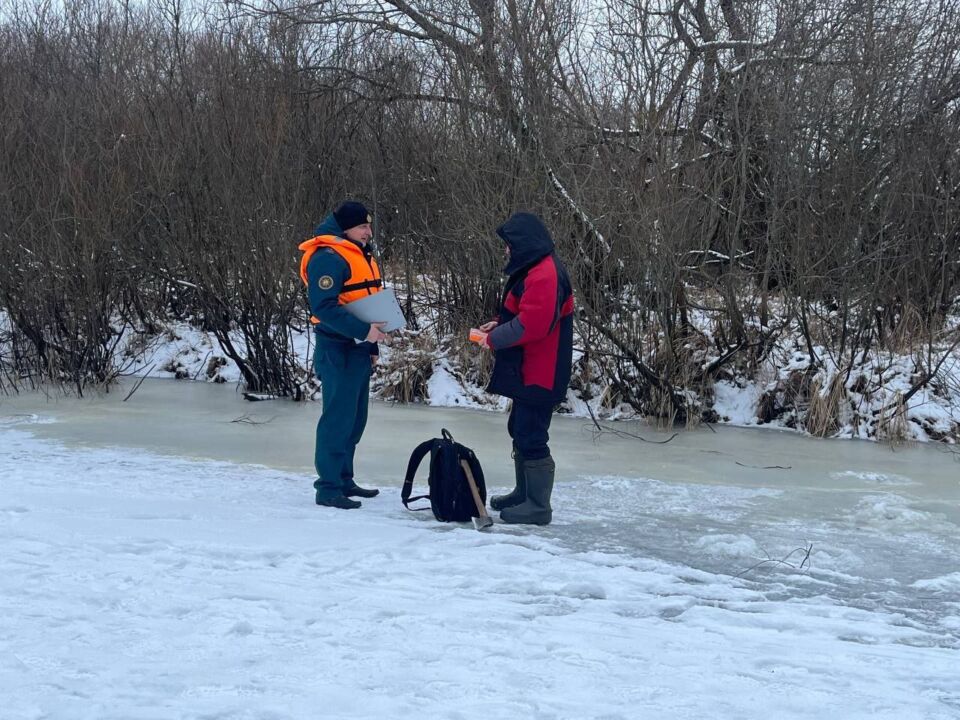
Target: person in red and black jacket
{"x":533,"y":345}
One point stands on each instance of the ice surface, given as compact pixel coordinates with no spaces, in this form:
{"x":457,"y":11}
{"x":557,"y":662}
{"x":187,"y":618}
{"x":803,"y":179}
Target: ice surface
{"x":162,"y":558}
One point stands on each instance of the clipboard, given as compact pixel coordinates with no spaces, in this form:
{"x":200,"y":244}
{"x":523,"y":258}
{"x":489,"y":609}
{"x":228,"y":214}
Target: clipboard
{"x":379,"y":307}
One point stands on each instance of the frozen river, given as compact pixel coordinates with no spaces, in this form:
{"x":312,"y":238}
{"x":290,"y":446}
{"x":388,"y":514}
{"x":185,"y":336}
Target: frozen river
{"x":882,"y":524}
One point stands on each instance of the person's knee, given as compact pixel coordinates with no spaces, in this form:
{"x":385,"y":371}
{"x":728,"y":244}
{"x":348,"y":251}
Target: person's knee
{"x":334,"y":430}
{"x":532,"y":448}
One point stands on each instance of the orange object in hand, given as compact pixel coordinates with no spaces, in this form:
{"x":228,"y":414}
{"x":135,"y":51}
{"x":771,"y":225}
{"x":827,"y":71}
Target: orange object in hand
{"x":477,"y":336}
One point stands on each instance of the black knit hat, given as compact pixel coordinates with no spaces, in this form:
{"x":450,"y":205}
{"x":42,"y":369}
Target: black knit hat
{"x":351,"y":214}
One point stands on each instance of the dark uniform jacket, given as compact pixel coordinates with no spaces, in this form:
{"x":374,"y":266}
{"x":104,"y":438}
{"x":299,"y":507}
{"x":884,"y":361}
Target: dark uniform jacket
{"x":327,"y":272}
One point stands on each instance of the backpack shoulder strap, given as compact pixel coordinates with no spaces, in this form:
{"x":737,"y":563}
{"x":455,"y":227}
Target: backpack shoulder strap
{"x":416,"y":457}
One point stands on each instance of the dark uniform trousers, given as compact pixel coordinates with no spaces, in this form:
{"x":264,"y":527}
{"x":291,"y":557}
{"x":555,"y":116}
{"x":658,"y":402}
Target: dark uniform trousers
{"x":344,"y":371}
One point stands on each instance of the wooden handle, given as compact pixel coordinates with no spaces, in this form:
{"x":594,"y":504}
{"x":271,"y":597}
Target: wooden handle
{"x":481,"y":508}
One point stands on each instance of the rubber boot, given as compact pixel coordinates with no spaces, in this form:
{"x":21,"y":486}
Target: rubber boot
{"x":519,"y":492}
{"x":535,"y":510}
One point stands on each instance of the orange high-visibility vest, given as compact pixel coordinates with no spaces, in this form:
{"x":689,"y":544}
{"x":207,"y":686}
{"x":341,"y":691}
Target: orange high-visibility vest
{"x":364,"y":275}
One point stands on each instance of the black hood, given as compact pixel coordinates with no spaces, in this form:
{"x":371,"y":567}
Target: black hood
{"x":528,"y":239}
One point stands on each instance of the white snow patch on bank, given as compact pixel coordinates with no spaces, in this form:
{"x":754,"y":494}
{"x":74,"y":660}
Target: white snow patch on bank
{"x":734,"y":404}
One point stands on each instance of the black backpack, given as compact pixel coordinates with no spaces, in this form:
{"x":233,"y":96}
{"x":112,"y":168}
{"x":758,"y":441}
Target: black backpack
{"x":450,"y":497}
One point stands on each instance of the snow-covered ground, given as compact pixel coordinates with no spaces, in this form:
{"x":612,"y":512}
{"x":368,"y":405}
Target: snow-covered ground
{"x":139,"y":584}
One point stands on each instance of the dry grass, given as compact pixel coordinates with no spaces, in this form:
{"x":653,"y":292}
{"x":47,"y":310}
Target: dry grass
{"x":474,"y":362}
{"x":823,"y":413}
{"x":910,"y":329}
{"x":891,"y":423}
{"x":403,"y":378}
{"x":610,"y":398}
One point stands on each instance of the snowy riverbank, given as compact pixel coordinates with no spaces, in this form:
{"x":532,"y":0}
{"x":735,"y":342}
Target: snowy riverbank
{"x":864,"y":401}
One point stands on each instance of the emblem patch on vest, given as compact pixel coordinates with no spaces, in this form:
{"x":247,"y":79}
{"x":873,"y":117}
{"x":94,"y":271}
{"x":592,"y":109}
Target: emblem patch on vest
{"x":326,"y":282}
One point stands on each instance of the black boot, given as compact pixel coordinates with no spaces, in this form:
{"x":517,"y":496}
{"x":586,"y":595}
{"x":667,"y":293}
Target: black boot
{"x":535,"y":510}
{"x":519,"y":492}
{"x":336,"y":501}
{"x":339,"y":501}
{"x":354,"y":490}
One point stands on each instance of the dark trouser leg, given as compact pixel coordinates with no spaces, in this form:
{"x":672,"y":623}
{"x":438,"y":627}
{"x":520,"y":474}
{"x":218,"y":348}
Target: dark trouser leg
{"x":359,"y":423}
{"x":349,"y":486}
{"x":529,"y":426}
{"x":344,"y":374}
